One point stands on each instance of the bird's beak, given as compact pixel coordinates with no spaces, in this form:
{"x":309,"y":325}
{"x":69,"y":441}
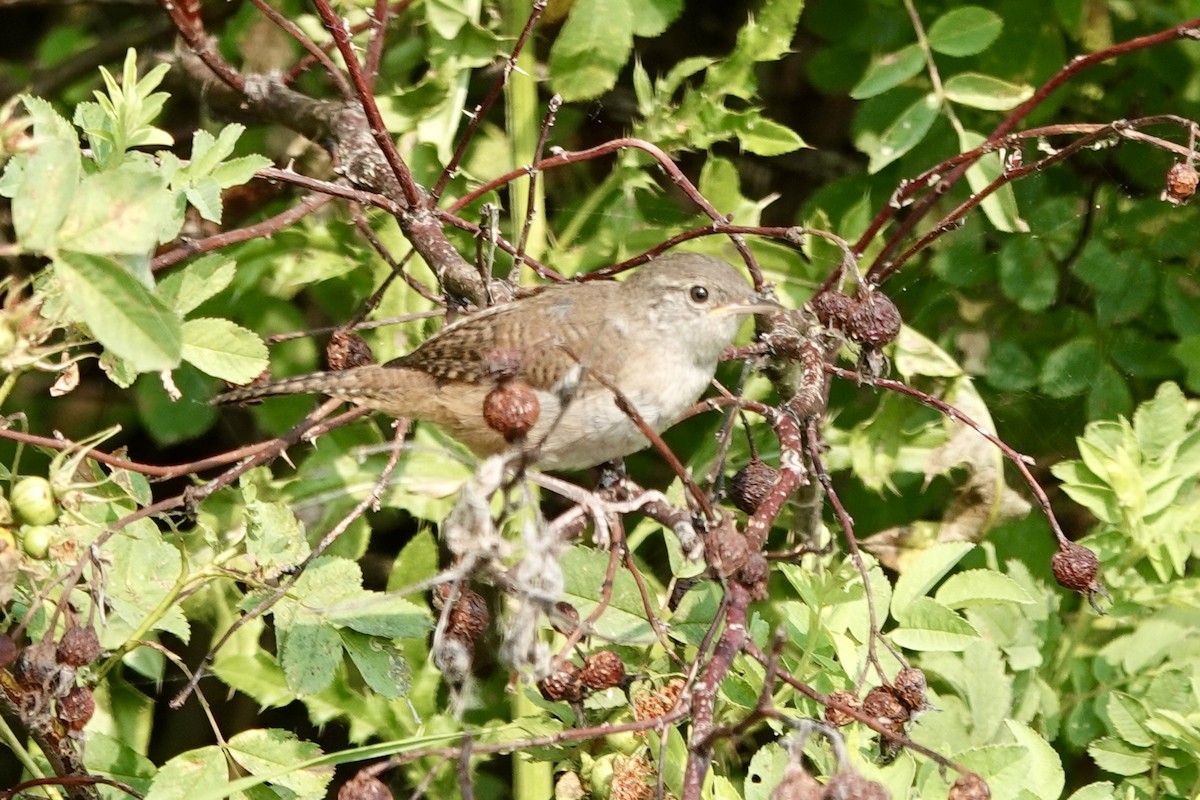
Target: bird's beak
{"x":741,"y":309}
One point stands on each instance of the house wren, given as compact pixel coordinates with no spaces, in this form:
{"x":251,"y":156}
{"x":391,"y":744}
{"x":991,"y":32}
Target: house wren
{"x":657,"y":337}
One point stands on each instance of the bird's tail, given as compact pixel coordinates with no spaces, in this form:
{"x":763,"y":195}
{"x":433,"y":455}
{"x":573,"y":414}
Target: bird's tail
{"x":332,"y":383}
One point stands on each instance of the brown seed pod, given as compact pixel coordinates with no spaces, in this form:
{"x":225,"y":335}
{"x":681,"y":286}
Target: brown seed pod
{"x":875,"y":320}
{"x":835,"y":716}
{"x":35,"y":668}
{"x":656,"y":702}
{"x":469,"y":616}
{"x":852,"y":786}
{"x":633,"y":779}
{"x":346,"y":350}
{"x":79,"y":646}
{"x":602,"y":670}
{"x":563,"y":683}
{"x":364,"y":787}
{"x":833,"y":309}
{"x":76,"y":707}
{"x":1182,"y":180}
{"x":1076,"y":567}
{"x":970,"y":787}
{"x":910,"y":685}
{"x":751,"y":484}
{"x":797,"y":784}
{"x":564,"y":618}
{"x":8,"y":650}
{"x":511,"y":409}
{"x":883,"y":704}
{"x":725,"y":548}
{"x":755,"y":574}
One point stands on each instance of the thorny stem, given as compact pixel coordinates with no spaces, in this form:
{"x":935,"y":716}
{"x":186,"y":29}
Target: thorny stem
{"x":921,"y":209}
{"x":480,"y":111}
{"x":1019,"y":460}
{"x":813,"y":440}
{"x":341,"y":36}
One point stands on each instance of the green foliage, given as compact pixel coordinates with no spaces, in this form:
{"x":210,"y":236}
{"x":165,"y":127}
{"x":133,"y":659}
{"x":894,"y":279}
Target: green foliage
{"x":1063,"y":316}
{"x":98,"y":222}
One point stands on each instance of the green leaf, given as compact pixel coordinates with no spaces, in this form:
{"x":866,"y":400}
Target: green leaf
{"x":380,"y":662}
{"x":1109,"y":396}
{"x":237,"y":171}
{"x":273,"y":535}
{"x":417,"y":562}
{"x":925,"y":572}
{"x":1000,"y":207}
{"x":1070,"y":369}
{"x":986,"y":688}
{"x":653,"y":17}
{"x":143,"y":570}
{"x":1027,"y":276}
{"x":380,"y":614}
{"x":978,"y":587}
{"x":169,"y":420}
{"x":185,"y":289}
{"x":224,"y":349}
{"x":1127,"y":715}
{"x":1009,"y":367}
{"x":965,"y":31}
{"x":766,"y":769}
{"x":905,"y":133}
{"x":120,"y":311}
{"x":624,"y":620}
{"x":927,"y":625}
{"x":764,"y":137}
{"x":889,"y":71}
{"x":42,"y":184}
{"x":205,"y":196}
{"x":118,"y":212}
{"x":1161,"y":422}
{"x":1102,"y":790}
{"x":1044,"y":776}
{"x":986,"y":92}
{"x":190,"y":773}
{"x":591,"y":48}
{"x":273,"y":754}
{"x":1113,"y":755}
{"x":310,"y":653}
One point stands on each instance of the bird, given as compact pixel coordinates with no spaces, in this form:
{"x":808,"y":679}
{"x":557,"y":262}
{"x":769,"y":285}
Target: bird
{"x":656,"y":337}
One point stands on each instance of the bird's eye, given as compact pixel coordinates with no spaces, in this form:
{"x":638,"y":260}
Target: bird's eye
{"x":698,"y":294}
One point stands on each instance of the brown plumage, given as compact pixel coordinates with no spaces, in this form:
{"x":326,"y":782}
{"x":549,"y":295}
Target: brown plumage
{"x":657,"y":336}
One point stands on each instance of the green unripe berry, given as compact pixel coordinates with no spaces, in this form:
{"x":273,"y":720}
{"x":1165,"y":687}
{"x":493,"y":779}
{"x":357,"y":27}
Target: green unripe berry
{"x":36,"y":539}
{"x":33,"y":501}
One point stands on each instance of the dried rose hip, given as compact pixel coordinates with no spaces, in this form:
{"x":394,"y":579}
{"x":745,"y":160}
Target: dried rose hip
{"x":346,"y":350}
{"x":910,"y":685}
{"x":511,"y":409}
{"x":833,"y":309}
{"x":76,"y":707}
{"x":602,"y":670}
{"x":563,"y":683}
{"x":1182,"y":180}
{"x":1076,"y":567}
{"x":970,"y":787}
{"x":79,"y":646}
{"x":751,"y":484}
{"x":875,"y":320}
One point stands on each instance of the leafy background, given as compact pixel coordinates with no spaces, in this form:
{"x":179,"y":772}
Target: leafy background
{"x":1066,"y":310}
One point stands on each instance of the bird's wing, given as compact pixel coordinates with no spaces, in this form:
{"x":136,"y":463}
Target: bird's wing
{"x":530,"y":337}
